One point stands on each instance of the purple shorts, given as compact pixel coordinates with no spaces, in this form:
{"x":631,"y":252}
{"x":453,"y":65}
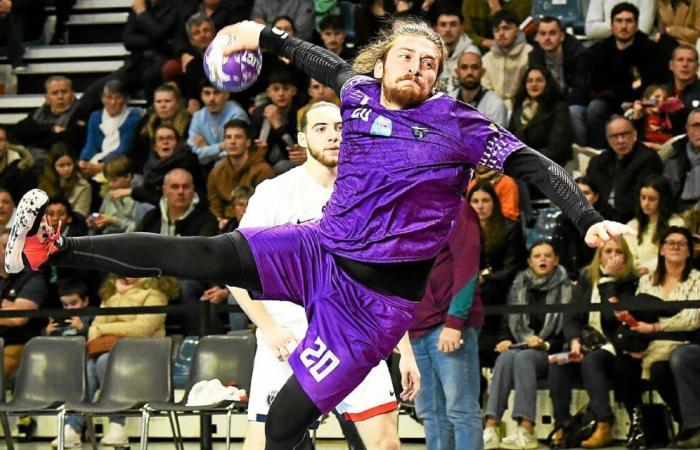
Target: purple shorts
{"x":351,"y":327}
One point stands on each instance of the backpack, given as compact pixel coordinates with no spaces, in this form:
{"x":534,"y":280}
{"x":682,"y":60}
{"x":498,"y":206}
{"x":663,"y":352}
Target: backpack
{"x":577,"y":430}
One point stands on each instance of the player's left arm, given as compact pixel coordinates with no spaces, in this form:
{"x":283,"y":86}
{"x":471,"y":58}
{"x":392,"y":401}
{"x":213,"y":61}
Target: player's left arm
{"x":410,"y":375}
{"x":533,"y":167}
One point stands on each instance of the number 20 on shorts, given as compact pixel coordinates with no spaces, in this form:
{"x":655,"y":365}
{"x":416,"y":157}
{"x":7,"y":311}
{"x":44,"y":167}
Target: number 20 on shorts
{"x":320,"y":361}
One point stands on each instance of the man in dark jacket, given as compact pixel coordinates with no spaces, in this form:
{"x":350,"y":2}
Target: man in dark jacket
{"x":682,"y":167}
{"x":626,"y":63}
{"x":619,"y":170}
{"x":684,"y":85}
{"x":568,"y":62}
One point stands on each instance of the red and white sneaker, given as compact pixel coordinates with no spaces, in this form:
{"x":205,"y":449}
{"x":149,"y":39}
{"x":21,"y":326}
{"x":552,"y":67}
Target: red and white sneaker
{"x":31,"y":240}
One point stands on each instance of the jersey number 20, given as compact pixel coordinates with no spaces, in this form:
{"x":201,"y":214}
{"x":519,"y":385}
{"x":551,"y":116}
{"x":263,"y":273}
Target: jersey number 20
{"x":320,"y":361}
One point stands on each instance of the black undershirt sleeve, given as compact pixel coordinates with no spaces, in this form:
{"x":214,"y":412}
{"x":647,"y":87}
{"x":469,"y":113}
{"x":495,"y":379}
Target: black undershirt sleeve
{"x":533,"y":167}
{"x":318,"y":63}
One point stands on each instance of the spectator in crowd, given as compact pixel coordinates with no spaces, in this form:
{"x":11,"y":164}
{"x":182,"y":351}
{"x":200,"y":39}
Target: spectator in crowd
{"x":599,"y":11}
{"x":61,"y":177}
{"x":673,"y":280}
{"x":333,"y":36}
{"x":318,"y":92}
{"x":206,"y":134}
{"x":110,"y":131}
{"x":148,"y":34}
{"x":15,"y":167}
{"x":653,"y":215}
{"x":59,"y":210}
{"x":618,"y":170}
{"x":73,"y":295}
{"x":275,"y":122}
{"x":540,"y":117}
{"x":63,"y":10}
{"x":679,"y":21}
{"x":684,"y":368}
{"x":568,"y":63}
{"x":117,"y":215}
{"x":573,"y":252}
{"x":300,"y":11}
{"x":653,"y":126}
{"x":7,"y":210}
{"x":121,"y":292}
{"x":54,"y":122}
{"x":523,"y":350}
{"x":478,"y":14}
{"x":684,"y":84}
{"x":28,"y":291}
{"x":506,"y":62}
{"x":180,"y":212}
{"x":503,"y":254}
{"x":449,"y":27}
{"x":243,"y":166}
{"x":200,"y":33}
{"x":633,"y":62}
{"x":444,"y":338}
{"x":239,"y":198}
{"x":167,"y":154}
{"x":682,"y":167}
{"x":591,"y":338}
{"x":166,"y":110}
{"x":11,"y":34}
{"x":470,"y":71}
{"x":504,"y":186}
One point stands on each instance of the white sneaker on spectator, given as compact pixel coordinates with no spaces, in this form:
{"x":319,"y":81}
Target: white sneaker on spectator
{"x":520,"y":440}
{"x":492,"y":440}
{"x":116,"y":436}
{"x":72,"y":438}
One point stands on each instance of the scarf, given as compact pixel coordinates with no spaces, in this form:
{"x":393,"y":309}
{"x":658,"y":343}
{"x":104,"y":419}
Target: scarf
{"x":558,"y":288}
{"x":691,"y":189}
{"x":529,"y":111}
{"x":110,"y":128}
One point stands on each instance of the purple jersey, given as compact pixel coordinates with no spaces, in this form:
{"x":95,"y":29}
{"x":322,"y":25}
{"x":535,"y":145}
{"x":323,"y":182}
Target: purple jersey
{"x":401,"y":173}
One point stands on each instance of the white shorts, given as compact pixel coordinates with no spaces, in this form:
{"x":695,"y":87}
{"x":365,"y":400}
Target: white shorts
{"x":374,"y":396}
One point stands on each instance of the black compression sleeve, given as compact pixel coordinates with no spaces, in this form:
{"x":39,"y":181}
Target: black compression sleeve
{"x":319,"y":63}
{"x":533,"y":167}
{"x":226,"y":258}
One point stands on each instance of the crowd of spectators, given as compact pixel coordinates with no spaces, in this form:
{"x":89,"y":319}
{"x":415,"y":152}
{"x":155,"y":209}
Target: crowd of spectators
{"x":618,"y":106}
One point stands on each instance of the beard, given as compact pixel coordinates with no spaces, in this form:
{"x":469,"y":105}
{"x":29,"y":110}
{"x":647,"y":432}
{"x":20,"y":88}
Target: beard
{"x":404,"y":96}
{"x":470,"y":85}
{"x":327,"y":161}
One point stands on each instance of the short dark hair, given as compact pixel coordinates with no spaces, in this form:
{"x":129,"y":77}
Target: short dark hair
{"x":288,"y":19}
{"x":588,"y":181}
{"x":238,"y":123}
{"x":451,"y":11}
{"x":61,"y":200}
{"x":117,"y":167}
{"x":551,"y":19}
{"x":72,"y":286}
{"x":281,"y":76}
{"x":685,"y":47}
{"x":197,"y":19}
{"x":332,"y":23}
{"x":539,"y":242}
{"x":504,"y":16}
{"x":624,"y":7}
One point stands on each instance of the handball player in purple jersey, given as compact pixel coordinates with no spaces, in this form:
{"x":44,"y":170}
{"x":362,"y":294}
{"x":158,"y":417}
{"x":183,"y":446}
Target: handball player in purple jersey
{"x":406,"y":156}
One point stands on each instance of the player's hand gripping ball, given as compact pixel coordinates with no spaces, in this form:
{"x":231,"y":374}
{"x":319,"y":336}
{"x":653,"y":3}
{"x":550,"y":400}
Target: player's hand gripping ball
{"x":235,"y":72}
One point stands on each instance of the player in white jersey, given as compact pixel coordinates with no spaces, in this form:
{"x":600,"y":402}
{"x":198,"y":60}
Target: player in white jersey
{"x":295,"y":197}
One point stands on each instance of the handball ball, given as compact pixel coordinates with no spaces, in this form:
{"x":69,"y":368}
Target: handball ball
{"x":233,"y":73}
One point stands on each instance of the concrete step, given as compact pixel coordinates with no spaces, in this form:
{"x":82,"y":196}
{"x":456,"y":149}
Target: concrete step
{"x":82,"y":52}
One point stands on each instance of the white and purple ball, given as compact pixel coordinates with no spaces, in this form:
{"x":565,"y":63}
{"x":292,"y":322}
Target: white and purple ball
{"x":234,"y":73}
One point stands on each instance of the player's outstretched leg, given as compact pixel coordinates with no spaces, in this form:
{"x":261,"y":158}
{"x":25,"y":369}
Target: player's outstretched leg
{"x":291,"y":414}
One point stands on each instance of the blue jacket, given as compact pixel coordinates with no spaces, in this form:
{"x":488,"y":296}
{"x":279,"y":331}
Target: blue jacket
{"x":127,"y":132}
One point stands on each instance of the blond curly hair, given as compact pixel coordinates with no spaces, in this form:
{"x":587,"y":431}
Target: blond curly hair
{"x":377,"y":49}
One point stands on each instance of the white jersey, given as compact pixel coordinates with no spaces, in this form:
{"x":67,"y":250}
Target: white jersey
{"x":294,"y":197}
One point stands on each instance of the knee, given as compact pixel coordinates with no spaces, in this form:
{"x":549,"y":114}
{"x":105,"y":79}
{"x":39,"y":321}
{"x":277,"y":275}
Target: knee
{"x":388,"y":441}
{"x":525,"y":360}
{"x":678,"y":359}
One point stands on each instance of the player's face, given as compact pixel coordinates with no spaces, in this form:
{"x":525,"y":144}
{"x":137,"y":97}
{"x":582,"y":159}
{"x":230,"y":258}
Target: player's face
{"x":623,"y":26}
{"x":543,"y":260}
{"x":7,"y":207}
{"x":549,"y":36}
{"x":482,"y":203}
{"x":236,"y":142}
{"x":320,"y":92}
{"x":449,"y":28}
{"x":684,"y":64}
{"x":201,"y":35}
{"x":470,"y":71}
{"x":505,"y":33}
{"x":323,"y":134}
{"x":333,"y":40}
{"x":214,"y":100}
{"x":409,"y":71}
{"x":165,"y":143}
{"x":165,"y":105}
{"x":178,"y":190}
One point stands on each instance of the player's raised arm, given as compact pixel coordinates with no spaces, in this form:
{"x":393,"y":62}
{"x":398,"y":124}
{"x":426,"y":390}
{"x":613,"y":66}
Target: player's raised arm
{"x":319,"y":63}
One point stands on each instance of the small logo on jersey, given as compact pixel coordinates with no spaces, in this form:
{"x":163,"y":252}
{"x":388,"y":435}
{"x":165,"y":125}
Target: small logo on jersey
{"x":419,"y":132}
{"x":270,"y":397}
{"x":381,"y":127}
{"x":300,"y":221}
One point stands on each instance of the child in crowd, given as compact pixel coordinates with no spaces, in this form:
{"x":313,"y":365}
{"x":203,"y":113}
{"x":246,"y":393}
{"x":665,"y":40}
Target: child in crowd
{"x":73,"y":295}
{"x":61,"y":178}
{"x":117,"y":213}
{"x":653,"y":124}
{"x":239,"y":199}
